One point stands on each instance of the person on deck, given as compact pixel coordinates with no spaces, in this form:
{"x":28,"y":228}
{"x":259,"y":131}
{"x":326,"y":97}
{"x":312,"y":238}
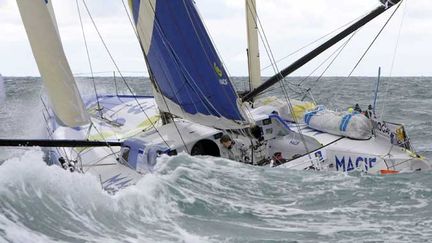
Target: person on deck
{"x":369,"y":113}
{"x":234,"y":149}
{"x":357,"y":108}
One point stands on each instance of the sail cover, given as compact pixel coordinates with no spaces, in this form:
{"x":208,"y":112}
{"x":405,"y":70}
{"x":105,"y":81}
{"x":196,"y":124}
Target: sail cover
{"x":41,"y":27}
{"x":190,"y":79}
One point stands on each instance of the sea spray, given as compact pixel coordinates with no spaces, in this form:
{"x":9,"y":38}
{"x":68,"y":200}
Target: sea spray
{"x":204,"y":199}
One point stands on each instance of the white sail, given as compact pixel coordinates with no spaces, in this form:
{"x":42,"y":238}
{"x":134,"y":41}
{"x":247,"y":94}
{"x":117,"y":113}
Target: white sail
{"x":56,"y":74}
{"x":253,"y":46}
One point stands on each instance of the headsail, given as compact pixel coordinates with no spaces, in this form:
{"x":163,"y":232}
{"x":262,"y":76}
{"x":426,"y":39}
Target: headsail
{"x":41,"y":27}
{"x":191,"y":81}
{"x":253,"y":44}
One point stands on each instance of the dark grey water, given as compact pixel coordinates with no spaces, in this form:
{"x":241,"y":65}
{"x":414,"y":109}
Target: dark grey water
{"x":213,"y":200}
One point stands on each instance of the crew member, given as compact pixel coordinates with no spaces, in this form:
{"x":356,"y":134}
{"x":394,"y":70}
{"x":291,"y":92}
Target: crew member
{"x":357,"y":108}
{"x":234,"y":149}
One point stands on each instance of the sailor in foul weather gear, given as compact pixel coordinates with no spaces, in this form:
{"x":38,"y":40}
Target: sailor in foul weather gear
{"x":357,"y":108}
{"x":234,"y":149}
{"x":369,"y":113}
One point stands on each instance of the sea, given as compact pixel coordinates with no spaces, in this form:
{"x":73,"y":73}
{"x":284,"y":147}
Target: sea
{"x":204,"y":199}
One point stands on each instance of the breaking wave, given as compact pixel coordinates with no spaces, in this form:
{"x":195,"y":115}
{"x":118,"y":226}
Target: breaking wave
{"x":191,"y":199}
{"x":201,"y":199}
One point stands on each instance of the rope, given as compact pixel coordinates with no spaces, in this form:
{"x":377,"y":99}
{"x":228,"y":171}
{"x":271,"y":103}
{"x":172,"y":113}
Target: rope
{"x":311,"y":43}
{"x":393,"y":60}
{"x":88,"y":58}
{"x":337,"y":52}
{"x":265,"y":41}
{"x":121,"y":75}
{"x":367,"y":49}
{"x":188,"y":77}
{"x":373,"y":41}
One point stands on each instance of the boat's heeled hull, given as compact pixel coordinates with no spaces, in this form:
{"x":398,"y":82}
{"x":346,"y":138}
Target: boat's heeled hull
{"x":280,"y":143}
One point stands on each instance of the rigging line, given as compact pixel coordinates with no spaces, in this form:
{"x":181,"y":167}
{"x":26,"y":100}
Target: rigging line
{"x":96,"y":162}
{"x":394,"y":59}
{"x":369,"y":47}
{"x":263,"y":37}
{"x":88,"y":58}
{"x":181,"y":69}
{"x":155,"y":83}
{"x":216,"y":52}
{"x":320,"y":65}
{"x":110,"y":72}
{"x":212,"y":41}
{"x":157,"y":25}
{"x":239,"y":106}
{"x":335,"y":55}
{"x":266,"y":44}
{"x":206,"y":32}
{"x":374,"y":40}
{"x":187,"y":75}
{"x":148,"y":66}
{"x":313,"y":42}
{"x":175,"y":59}
{"x":50,"y":133}
{"x":143,"y":52}
{"x":339,"y":51}
{"x":103,"y":138}
{"x":269,"y":52}
{"x":120,"y":73}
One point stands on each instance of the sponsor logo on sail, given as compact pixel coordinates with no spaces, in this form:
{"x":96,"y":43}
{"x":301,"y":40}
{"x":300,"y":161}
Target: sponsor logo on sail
{"x":218,"y":71}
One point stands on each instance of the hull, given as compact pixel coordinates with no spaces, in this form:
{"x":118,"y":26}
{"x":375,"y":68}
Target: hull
{"x":281,"y":143}
{"x":122,"y":118}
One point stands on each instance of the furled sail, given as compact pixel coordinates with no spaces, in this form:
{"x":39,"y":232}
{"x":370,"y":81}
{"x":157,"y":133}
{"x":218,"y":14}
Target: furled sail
{"x":41,"y":27}
{"x":253,"y":44}
{"x":190,"y":79}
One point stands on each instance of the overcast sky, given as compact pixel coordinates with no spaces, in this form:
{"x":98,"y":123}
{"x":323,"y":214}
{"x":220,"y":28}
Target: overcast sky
{"x":288,"y":24}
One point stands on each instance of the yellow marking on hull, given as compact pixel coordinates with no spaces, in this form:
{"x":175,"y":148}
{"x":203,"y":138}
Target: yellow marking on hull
{"x":145,"y":125}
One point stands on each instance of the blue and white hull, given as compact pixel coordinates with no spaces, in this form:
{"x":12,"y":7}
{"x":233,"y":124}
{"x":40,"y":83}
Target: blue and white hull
{"x":145,"y":138}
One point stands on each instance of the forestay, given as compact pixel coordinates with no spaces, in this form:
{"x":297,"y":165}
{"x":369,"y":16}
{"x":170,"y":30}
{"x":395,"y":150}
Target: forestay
{"x":190,"y":80}
{"x":41,"y":27}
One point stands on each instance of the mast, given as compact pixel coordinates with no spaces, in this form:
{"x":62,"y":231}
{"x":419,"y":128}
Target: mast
{"x":253,"y":46}
{"x":385,"y":4}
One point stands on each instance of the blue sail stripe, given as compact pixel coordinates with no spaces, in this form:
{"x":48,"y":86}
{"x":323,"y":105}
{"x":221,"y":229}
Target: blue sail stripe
{"x":185,"y":64}
{"x":135,"y":5}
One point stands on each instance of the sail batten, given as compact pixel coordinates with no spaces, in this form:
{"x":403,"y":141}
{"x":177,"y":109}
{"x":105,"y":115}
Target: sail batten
{"x":190,"y":78}
{"x":41,"y":27}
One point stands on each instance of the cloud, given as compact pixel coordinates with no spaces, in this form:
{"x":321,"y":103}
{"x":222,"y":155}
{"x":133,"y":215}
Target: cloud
{"x":288,"y":26}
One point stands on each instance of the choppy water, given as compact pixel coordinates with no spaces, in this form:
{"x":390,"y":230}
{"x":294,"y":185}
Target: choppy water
{"x":213,"y":200}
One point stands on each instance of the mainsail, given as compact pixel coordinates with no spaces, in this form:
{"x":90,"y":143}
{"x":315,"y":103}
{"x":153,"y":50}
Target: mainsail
{"x":190,"y":79}
{"x":41,"y":27}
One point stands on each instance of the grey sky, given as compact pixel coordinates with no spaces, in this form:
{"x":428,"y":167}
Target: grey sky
{"x":289,"y":24}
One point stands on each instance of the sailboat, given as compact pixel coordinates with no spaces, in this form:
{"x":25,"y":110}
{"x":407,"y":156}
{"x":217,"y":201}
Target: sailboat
{"x":118,"y":138}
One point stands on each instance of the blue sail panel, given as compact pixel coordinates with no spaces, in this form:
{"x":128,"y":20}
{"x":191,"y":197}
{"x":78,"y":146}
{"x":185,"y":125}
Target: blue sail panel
{"x":184,"y":62}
